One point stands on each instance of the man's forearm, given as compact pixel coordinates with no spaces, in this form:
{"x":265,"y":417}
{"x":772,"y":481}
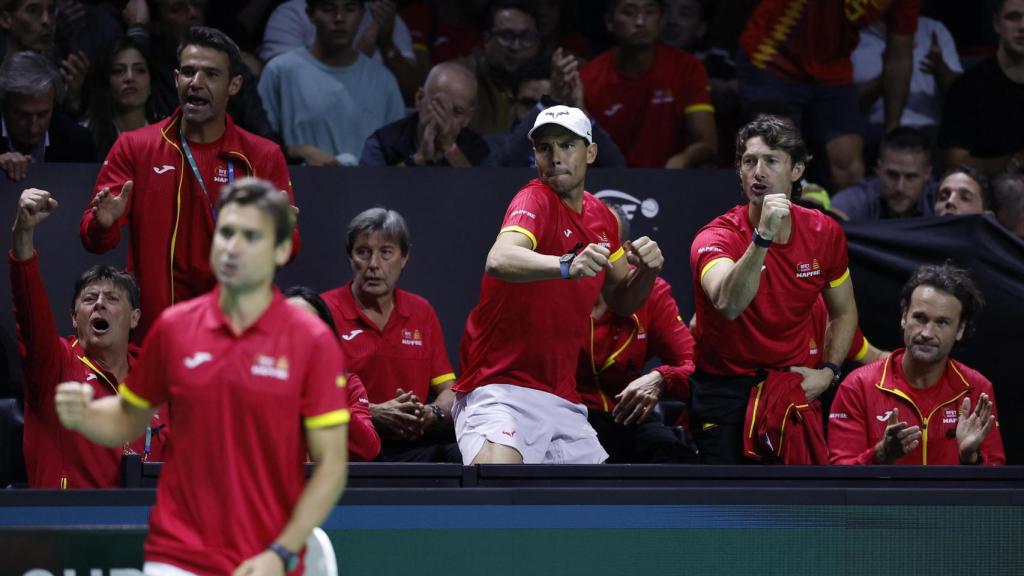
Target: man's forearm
{"x":23,"y":243}
{"x":519,"y":264}
{"x":739,"y":287}
{"x":108,"y":422}
{"x":897,"y":69}
{"x":319,"y":497}
{"x":630,"y":295}
{"x":839,"y":336}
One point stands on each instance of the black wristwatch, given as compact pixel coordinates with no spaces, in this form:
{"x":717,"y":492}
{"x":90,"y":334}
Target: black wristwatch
{"x":836,"y":372}
{"x":564,"y":262}
{"x":761,"y":240}
{"x":289,"y":558}
{"x":438,"y":413}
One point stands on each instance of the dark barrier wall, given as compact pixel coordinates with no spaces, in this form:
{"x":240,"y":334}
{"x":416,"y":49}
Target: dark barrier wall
{"x":455,"y":214}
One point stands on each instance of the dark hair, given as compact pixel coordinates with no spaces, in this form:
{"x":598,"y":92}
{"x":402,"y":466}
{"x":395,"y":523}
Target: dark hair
{"x":312,"y":4}
{"x":251,"y":191}
{"x":954,"y":281}
{"x":212,"y":38}
{"x":778,"y":133}
{"x":611,"y":5}
{"x":906,"y":139}
{"x":314,"y":300}
{"x":100,"y":272}
{"x":623,"y":218}
{"x":979,"y":179}
{"x":101,"y":103}
{"x":1008,"y":199}
{"x":528,"y":7}
{"x":389,"y":223}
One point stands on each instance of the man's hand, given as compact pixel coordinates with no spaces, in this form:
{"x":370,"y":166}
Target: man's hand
{"x":447,"y":127}
{"x":898,"y":441}
{"x":815,"y":381}
{"x":107,"y":207}
{"x":383,"y":13}
{"x":973,"y":427}
{"x":566,"y":86}
{"x":266,"y":563}
{"x":15,"y":164}
{"x":589,"y":262}
{"x":34,"y":206}
{"x":74,"y":69}
{"x":646,"y":255}
{"x":72,"y":399}
{"x":427,"y":151}
{"x":399,"y":417}
{"x":637,"y":400}
{"x":934,"y":64}
{"x":774,"y":213}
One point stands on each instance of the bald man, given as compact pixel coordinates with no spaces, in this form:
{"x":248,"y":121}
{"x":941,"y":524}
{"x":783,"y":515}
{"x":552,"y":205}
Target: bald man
{"x":436,"y":134}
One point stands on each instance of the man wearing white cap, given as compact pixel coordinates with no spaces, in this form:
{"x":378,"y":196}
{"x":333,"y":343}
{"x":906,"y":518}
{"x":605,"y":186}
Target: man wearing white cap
{"x":557,"y":249}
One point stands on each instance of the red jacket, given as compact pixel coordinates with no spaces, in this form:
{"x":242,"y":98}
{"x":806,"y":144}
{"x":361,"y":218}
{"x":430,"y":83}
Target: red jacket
{"x":165,"y":190}
{"x":781,"y":426}
{"x":618,"y":349}
{"x":860,"y":411}
{"x":56,"y":457}
{"x":363,"y":440}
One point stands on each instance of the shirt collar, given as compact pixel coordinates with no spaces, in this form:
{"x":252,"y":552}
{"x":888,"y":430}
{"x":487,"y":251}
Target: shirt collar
{"x":38,"y":151}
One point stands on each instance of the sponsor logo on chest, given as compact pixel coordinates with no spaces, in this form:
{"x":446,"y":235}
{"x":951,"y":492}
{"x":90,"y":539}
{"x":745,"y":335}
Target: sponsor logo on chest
{"x":805,"y":270}
{"x":662,"y":97}
{"x":412,"y":338}
{"x":220,"y":175}
{"x":951,"y":416}
{"x":270,"y":367}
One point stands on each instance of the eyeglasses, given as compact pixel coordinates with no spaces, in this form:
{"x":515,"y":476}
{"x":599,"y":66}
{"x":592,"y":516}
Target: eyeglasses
{"x":509,"y":37}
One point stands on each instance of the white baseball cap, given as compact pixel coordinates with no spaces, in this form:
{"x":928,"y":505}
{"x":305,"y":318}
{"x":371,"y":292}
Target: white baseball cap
{"x":572,"y":119}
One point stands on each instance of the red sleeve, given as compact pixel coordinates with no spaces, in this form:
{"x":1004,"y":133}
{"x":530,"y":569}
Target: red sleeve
{"x":837,"y":270}
{"x":901,"y":19}
{"x":848,"y":439}
{"x":118,"y":168}
{"x":526,"y":214}
{"x":38,"y":341}
{"x":693,"y":85}
{"x":277,"y":172}
{"x":440,"y":366}
{"x":363,"y":440}
{"x":859,"y":346}
{"x":324,"y":395}
{"x":714,"y":243}
{"x":992,"y":453}
{"x":147,"y":385}
{"x":671,"y":341}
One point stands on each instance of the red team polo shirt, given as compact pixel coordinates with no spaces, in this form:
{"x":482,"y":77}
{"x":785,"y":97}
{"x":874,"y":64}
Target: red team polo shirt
{"x":812,"y":41}
{"x":529,"y":333}
{"x":618,"y":349}
{"x":409,"y":353}
{"x":645,"y":115}
{"x":816,"y":345}
{"x":773,"y":331}
{"x":240,"y":404}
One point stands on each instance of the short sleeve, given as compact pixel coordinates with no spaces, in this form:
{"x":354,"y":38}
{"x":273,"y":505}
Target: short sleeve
{"x":525,"y":214}
{"x":695,"y":90}
{"x":147,"y":385}
{"x":837,"y":271}
{"x":440,"y":366}
{"x":324,"y":391}
{"x":712,"y":245}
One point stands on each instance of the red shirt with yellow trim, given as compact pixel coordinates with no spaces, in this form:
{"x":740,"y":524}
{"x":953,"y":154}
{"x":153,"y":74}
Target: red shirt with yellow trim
{"x":860,"y":413}
{"x":170,"y":220}
{"x":772,"y":332}
{"x":645,"y":114}
{"x":240,"y":404}
{"x":56,"y":457}
{"x":811,"y":41}
{"x":816,"y":343}
{"x":409,"y":353}
{"x":619,"y":348}
{"x":529,"y":333}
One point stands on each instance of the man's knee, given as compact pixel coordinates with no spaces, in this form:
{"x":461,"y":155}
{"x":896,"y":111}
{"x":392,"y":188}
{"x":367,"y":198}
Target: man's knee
{"x":491,"y":453}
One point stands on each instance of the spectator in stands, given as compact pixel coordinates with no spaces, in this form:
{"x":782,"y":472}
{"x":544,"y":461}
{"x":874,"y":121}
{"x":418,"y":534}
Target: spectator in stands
{"x":877,"y":415}
{"x":328,"y":98}
{"x":534,"y":83}
{"x":29,"y":25}
{"x":105,"y":309}
{"x":962,"y":190}
{"x":436,"y":134}
{"x":652,"y":98}
{"x":382,"y":36}
{"x":558,"y":28}
{"x":620,"y":397}
{"x":363,"y":440}
{"x":511,"y":40}
{"x":30,"y":88}
{"x":985,"y":107}
{"x":798,"y":52}
{"x":443,"y":30}
{"x":1008,"y":201}
{"x":557,"y":249}
{"x":176,"y":167}
{"x":120,"y":93}
{"x":255,"y":384}
{"x":902,"y":186}
{"x":393,"y":340}
{"x":747,"y":334}
{"x":936,"y":65}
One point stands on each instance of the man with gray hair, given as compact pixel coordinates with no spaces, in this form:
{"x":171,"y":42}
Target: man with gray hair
{"x":437,"y":133}
{"x":30,"y":88}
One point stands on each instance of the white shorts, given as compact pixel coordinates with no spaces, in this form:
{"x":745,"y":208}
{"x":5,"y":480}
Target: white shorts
{"x":542,"y":427}
{"x":163,"y":569}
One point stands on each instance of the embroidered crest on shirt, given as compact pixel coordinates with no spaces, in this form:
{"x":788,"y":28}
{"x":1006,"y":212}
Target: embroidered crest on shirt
{"x":950,"y":417}
{"x":270,"y":367}
{"x":220,"y":175}
{"x":412,"y":338}
{"x":805,"y":270}
{"x":662,"y":97}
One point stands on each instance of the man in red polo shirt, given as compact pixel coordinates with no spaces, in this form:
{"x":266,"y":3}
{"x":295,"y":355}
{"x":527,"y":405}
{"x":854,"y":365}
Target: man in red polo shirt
{"x":757,"y":271}
{"x":919,"y":406}
{"x":105,"y":309}
{"x":392,"y":339}
{"x":558,"y":247}
{"x":252,"y":383}
{"x":163,"y":181}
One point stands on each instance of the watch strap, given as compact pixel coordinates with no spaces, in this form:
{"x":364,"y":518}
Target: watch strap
{"x":288,"y":558}
{"x":761,"y":240}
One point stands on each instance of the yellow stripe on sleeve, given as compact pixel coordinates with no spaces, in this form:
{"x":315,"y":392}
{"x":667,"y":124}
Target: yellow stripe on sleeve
{"x":699,"y":108}
{"x":328,"y":419}
{"x":523,"y":231}
{"x":133,"y":398}
{"x":839,"y":281}
{"x":438,"y":380}
{"x":711,"y":265}
{"x":618,"y":254}
{"x":862,"y":352}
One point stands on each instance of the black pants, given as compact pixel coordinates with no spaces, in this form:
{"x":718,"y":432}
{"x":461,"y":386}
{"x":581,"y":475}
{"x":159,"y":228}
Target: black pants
{"x":434,"y":446}
{"x":650,"y":441}
{"x":718,"y":406}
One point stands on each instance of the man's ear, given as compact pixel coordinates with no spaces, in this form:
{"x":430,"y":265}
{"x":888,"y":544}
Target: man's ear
{"x":797,"y":171}
{"x":591,"y":152}
{"x":235,"y":85}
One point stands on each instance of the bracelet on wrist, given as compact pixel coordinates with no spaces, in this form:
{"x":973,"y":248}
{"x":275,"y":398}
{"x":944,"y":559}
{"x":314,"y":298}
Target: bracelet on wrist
{"x":761,"y":240}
